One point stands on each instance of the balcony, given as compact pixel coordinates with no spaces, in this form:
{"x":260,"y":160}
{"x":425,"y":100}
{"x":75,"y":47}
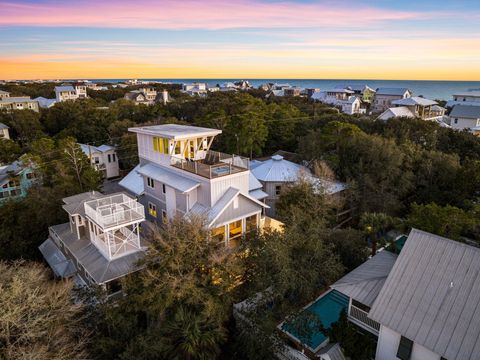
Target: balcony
{"x":114,"y":210}
{"x":360,"y":318}
{"x":214,"y":165}
{"x":117,"y":243}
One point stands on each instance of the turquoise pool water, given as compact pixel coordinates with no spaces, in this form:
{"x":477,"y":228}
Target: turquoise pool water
{"x":400,"y":242}
{"x":326,"y":310}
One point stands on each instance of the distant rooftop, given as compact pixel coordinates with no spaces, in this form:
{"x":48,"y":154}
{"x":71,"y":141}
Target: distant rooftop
{"x":175,"y":131}
{"x":10,"y":100}
{"x":468,"y":93}
{"x":414,"y":100}
{"x":64,"y":88}
{"x":392,"y":91}
{"x":466,"y":111}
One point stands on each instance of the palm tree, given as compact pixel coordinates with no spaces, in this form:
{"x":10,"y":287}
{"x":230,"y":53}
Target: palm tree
{"x":372,"y":223}
{"x":190,"y":335}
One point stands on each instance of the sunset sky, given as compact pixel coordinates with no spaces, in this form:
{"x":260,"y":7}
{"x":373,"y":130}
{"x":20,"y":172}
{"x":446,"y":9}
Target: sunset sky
{"x":386,"y":39}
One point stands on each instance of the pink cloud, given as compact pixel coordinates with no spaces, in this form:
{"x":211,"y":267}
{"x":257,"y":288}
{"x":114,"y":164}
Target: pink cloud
{"x":193,"y":14}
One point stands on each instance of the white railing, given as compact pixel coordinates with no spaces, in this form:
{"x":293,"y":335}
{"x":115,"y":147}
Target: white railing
{"x":111,"y":245}
{"x":114,"y":210}
{"x":361,"y":318}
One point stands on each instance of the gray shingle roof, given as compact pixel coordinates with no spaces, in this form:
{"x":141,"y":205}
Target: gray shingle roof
{"x":432,"y":296}
{"x":365,"y":282}
{"x":466,"y":111}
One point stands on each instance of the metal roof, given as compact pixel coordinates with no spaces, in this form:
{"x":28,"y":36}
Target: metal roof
{"x":466,"y":111}
{"x":468,"y":93}
{"x":175,"y":131}
{"x":392,"y":91}
{"x":44,"y":102}
{"x":401,"y":111}
{"x":3,"y":126}
{"x":277,"y":169}
{"x":64,"y":88}
{"x":99,"y":268}
{"x":258,"y":194}
{"x":331,"y":352}
{"x":14,"y":168}
{"x":432,"y":296}
{"x":414,"y":100}
{"x":60,"y":265}
{"x":170,"y":178}
{"x":133,"y":182}
{"x":89,"y":149}
{"x":74,"y":205}
{"x":18,"y":99}
{"x":253,"y":183}
{"x":365,"y":282}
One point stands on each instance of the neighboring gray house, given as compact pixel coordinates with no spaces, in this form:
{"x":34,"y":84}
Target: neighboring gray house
{"x":18,"y":103}
{"x":428,"y":308}
{"x":276,"y":173}
{"x":465,"y":117}
{"x":384,"y":98}
{"x":181,"y":176}
{"x":103,"y":158}
{"x":101,"y":242}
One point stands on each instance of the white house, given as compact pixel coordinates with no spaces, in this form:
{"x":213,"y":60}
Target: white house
{"x":428,"y":306}
{"x":181,"y":176}
{"x":385,"y":96}
{"x":465,"y":117}
{"x":195,"y":88}
{"x":341,"y":98}
{"x":101,"y":242}
{"x":70,"y":92}
{"x":412,"y":107}
{"x":4,"y":134}
{"x":103,"y":158}
{"x":4,"y":94}
{"x":19,"y":103}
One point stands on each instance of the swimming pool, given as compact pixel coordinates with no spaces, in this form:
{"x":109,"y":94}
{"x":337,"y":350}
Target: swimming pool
{"x":326,"y":309}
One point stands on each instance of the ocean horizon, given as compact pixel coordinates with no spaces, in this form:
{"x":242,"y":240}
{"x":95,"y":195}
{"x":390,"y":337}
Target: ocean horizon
{"x":432,"y":89}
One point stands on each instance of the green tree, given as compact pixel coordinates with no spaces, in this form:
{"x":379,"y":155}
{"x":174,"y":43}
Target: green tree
{"x":448,"y":221}
{"x":9,"y":151}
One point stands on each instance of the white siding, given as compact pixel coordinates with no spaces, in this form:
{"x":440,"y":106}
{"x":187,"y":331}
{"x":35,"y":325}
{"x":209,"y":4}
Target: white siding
{"x":387,"y":347}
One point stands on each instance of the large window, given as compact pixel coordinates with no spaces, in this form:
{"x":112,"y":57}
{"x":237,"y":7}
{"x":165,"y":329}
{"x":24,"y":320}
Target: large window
{"x":218,"y":234}
{"x":160,"y":145}
{"x":404,"y":348}
{"x":235,"y":229}
{"x":152,"y":209}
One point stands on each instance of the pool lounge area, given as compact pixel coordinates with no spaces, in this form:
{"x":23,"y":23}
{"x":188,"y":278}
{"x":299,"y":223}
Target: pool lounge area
{"x":325,"y":309}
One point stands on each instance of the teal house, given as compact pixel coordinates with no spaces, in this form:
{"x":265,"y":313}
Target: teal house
{"x":15,"y":179}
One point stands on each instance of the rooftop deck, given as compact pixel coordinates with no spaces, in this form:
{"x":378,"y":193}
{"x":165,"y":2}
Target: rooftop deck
{"x":215,"y":164}
{"x":115,"y":210}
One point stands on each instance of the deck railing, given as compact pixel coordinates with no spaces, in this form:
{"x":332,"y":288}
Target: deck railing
{"x":361,"y":318}
{"x":215,"y":164}
{"x":114,"y":210}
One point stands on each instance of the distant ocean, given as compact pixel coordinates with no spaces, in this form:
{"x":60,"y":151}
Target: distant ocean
{"x":441,"y":90}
